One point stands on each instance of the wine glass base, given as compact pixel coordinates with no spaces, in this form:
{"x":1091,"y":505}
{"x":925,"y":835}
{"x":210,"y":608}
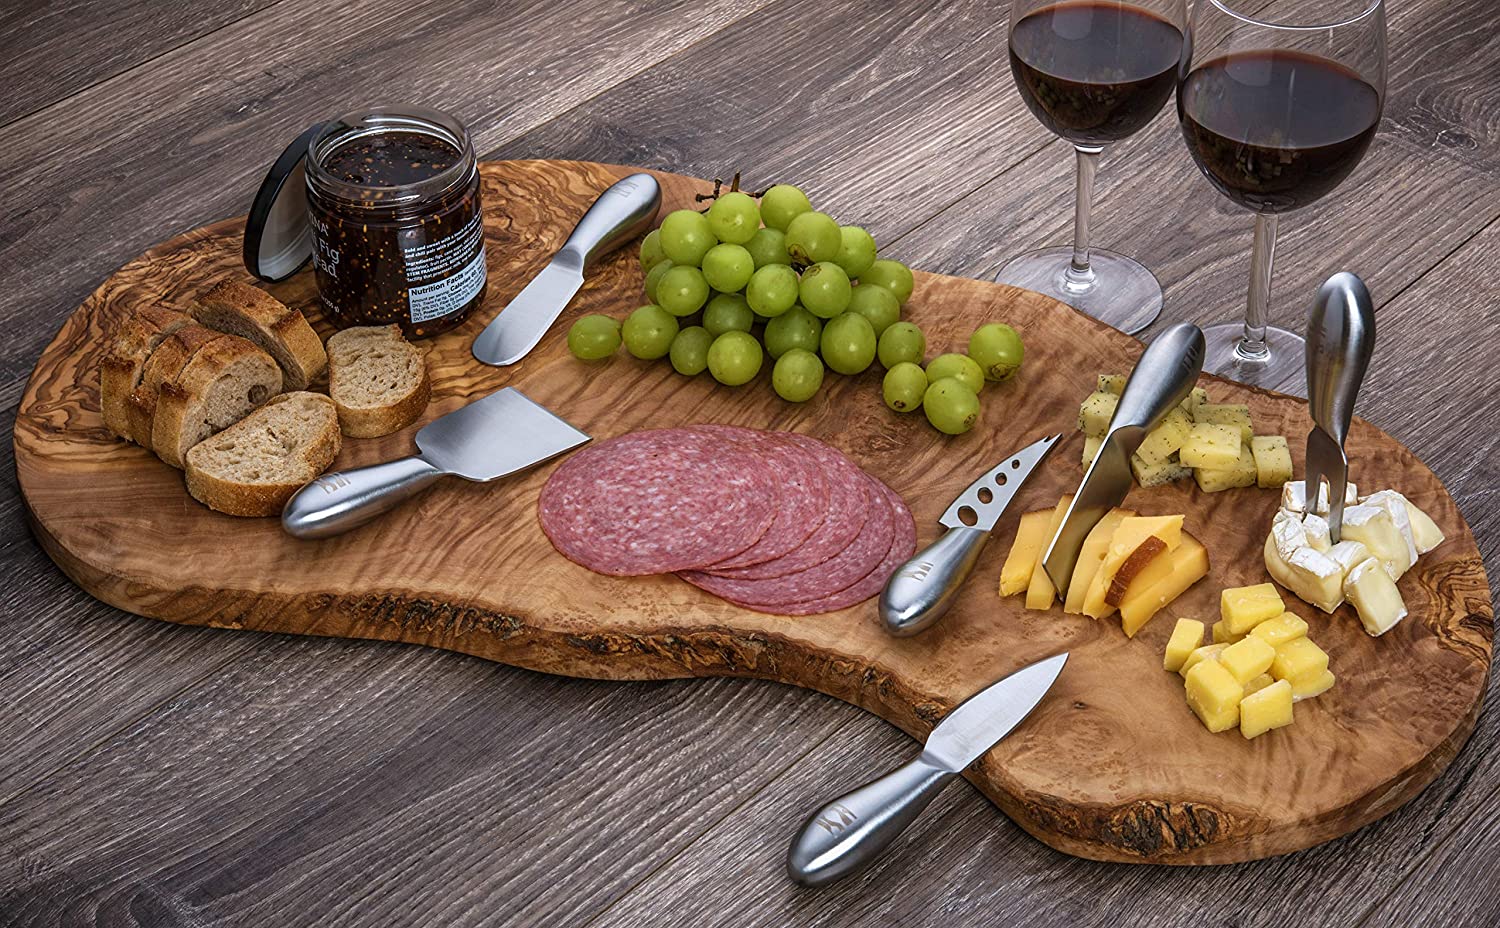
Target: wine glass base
{"x":1122,"y":293}
{"x":1282,"y":369}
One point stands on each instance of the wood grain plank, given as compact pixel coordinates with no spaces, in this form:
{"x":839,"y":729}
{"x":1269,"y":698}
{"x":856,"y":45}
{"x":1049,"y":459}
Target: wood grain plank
{"x":428,"y":789}
{"x":51,"y":49}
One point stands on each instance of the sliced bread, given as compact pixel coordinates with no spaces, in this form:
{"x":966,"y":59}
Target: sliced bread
{"x":253,"y":467}
{"x":165,"y":363}
{"x":250,"y":312}
{"x":378,"y":380}
{"x":125,"y":360}
{"x":219,"y":386}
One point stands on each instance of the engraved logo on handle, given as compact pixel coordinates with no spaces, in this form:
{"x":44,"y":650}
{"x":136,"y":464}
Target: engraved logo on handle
{"x":845,"y":819}
{"x":332,"y":483}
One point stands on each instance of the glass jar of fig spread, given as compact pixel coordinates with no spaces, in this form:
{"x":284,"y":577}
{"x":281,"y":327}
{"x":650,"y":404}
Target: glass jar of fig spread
{"x":397,"y":230}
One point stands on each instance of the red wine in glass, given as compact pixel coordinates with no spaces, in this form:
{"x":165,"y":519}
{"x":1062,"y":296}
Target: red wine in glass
{"x":1276,"y":129}
{"x":1094,"y":72}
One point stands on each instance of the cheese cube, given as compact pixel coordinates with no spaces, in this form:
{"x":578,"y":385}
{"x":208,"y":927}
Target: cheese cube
{"x":1266,"y":709}
{"x":1215,"y":479}
{"x":1346,"y":554}
{"x":1280,"y":630}
{"x":1298,"y":658}
{"x":1208,"y":652}
{"x":1294,"y":496}
{"x":1289,"y":532}
{"x":1273,"y":461}
{"x":1236,"y":415}
{"x":1112,"y":383}
{"x":1214,"y":695}
{"x":1374,"y":596}
{"x":1187,"y":636}
{"x":1222,"y":634}
{"x":1423,"y":529}
{"x":1318,"y":532}
{"x":1163,"y":441}
{"x":1212,"y":446}
{"x":1091,"y":447}
{"x":1245,"y":607}
{"x":1375,"y":529}
{"x":1193,"y":400}
{"x":1015,"y":576}
{"x":1259,"y":683}
{"x":1095,"y":413}
{"x":1155,"y":475}
{"x":1395,"y":504}
{"x":1311,"y":685}
{"x":1247,"y":658}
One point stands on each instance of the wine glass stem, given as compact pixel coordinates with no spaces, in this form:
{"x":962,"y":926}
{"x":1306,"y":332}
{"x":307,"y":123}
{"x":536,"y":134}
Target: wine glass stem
{"x":1253,"y":346}
{"x":1080,"y":277}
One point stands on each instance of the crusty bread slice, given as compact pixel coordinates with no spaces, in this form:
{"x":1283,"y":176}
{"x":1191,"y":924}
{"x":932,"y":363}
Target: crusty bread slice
{"x":125,"y":359}
{"x":253,"y":467}
{"x":165,"y":363}
{"x":378,"y":380}
{"x":250,"y":312}
{"x":218,"y":387}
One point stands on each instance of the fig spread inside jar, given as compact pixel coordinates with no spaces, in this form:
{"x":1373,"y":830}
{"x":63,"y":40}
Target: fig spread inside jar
{"x":393,"y":198}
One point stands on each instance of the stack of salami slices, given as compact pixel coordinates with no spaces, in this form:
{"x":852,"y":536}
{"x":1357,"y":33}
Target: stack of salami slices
{"x":773,"y":521}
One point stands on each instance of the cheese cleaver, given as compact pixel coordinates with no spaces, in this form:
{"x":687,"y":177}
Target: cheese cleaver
{"x":1340,"y":340}
{"x":501,"y":434}
{"x":849,"y":832}
{"x":620,"y":214}
{"x":1162,"y":378}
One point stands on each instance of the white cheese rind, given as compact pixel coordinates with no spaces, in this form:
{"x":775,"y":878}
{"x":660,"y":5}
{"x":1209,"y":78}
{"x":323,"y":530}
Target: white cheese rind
{"x":1374,"y":526}
{"x":1395,"y":504}
{"x":1312,"y":575}
{"x":1318,"y":533}
{"x":1348,"y":553}
{"x":1375,"y":597}
{"x":1294,"y":496}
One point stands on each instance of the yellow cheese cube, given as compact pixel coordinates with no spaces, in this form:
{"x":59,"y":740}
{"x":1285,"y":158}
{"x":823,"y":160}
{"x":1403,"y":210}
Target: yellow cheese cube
{"x":1245,"y":607}
{"x":1040,"y":593}
{"x":1155,"y":475}
{"x":1266,"y":709}
{"x":1247,"y":659}
{"x":1298,"y":658}
{"x":1231,"y":414}
{"x":1311,"y":685}
{"x":1208,"y":652}
{"x":1214,"y":695}
{"x":1211,"y":446}
{"x":1187,"y":636}
{"x":1091,"y":449}
{"x":1147,"y":595}
{"x":1090,"y":557}
{"x":1112,"y":383}
{"x":1015,"y":576}
{"x":1216,"y":479}
{"x":1164,"y":440}
{"x":1222,"y":634}
{"x":1259,"y":683}
{"x":1273,"y":461}
{"x":1196,"y":398}
{"x":1280,"y":630}
{"x":1095,"y":413}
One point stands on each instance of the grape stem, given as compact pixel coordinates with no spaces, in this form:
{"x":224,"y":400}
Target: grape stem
{"x":734,"y":187}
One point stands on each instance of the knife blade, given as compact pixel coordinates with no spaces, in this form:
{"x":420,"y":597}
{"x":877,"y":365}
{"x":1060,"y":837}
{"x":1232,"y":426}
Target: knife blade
{"x":1162,"y":378}
{"x":620,"y":213}
{"x":846,"y":834}
{"x":1340,"y":341}
{"x":920,"y":591}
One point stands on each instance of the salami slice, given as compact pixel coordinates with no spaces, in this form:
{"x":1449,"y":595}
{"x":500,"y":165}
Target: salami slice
{"x":837,"y":573}
{"x":903,"y":546}
{"x":802,"y":490}
{"x":657,"y":501}
{"x":847,"y":507}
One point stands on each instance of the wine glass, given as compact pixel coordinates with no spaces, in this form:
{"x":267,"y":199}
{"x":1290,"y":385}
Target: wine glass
{"x":1094,"y":72}
{"x":1277,"y":108}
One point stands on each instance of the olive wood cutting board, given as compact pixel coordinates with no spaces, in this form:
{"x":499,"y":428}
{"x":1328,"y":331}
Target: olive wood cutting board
{"x":1111,"y":766}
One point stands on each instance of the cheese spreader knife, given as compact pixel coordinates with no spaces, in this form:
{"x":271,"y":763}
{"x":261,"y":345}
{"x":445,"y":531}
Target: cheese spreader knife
{"x":849,"y":832}
{"x":621,"y":213}
{"x":1162,"y":378}
{"x":501,"y":434}
{"x":1340,"y":340}
{"x":920,"y":591}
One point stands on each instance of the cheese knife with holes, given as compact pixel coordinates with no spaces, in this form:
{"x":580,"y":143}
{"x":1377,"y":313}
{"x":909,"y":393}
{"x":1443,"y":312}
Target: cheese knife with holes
{"x":921,"y":590}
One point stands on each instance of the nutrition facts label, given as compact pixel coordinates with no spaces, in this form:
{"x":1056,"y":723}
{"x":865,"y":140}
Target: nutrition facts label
{"x":458,"y":262}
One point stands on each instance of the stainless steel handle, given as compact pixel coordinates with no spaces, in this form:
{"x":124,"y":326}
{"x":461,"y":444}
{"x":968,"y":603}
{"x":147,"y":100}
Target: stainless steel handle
{"x":621,"y":213}
{"x":849,"y":832}
{"x":340,"y":501}
{"x":1340,"y":340}
{"x":923,"y":588}
{"x":1162,"y":378}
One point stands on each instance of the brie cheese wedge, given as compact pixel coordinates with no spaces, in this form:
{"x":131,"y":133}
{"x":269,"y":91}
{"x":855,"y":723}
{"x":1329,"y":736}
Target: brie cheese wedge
{"x":1373,"y":525}
{"x":1375,"y":597}
{"x":1318,"y":532}
{"x":1396,"y":504}
{"x":1294,"y":497}
{"x":1316,"y":578}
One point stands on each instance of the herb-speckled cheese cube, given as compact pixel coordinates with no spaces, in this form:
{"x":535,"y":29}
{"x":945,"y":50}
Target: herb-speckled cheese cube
{"x":1211,"y":446}
{"x":1112,"y":383}
{"x":1095,"y":413}
{"x":1273,"y":461}
{"x":1235,"y":414}
{"x":1241,"y":474}
{"x":1155,"y":475}
{"x":1091,"y":447}
{"x":1164,"y":440}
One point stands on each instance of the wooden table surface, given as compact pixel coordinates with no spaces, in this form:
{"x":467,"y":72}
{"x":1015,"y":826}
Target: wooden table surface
{"x":158,"y":775}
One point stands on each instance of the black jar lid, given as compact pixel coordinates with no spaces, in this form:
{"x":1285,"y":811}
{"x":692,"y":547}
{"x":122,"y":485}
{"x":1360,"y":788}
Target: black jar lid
{"x":278,"y":236}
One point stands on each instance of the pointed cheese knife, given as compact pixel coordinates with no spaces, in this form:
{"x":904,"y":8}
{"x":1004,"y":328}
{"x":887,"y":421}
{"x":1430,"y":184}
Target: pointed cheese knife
{"x":849,"y":832}
{"x":1162,"y":378}
{"x":1340,"y":340}
{"x":620,"y":214}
